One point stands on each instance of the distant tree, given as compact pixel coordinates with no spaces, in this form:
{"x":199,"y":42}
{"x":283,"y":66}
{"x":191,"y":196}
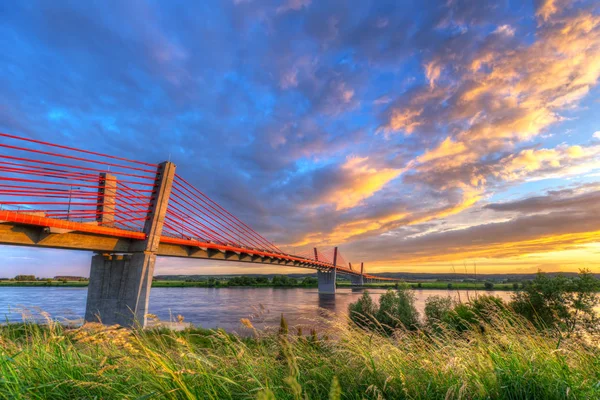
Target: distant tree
{"x":310,"y":281}
{"x":515,"y":286}
{"x":488,"y":285}
{"x":419,"y":285}
{"x":450,"y":286}
{"x":438,"y":309}
{"x":560,"y":302}
{"x":25,"y":278}
{"x":262,"y":280}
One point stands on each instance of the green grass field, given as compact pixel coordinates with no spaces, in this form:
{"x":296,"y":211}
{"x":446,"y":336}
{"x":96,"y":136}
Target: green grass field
{"x":44,"y":283}
{"x":504,"y":361}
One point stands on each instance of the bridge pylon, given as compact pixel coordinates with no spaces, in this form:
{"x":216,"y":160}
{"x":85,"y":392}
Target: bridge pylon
{"x":119,"y":287}
{"x":358,"y":280}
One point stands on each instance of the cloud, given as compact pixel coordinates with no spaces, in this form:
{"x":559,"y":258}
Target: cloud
{"x":552,"y":222}
{"x":364,"y":180}
{"x":596,"y":135}
{"x":503,"y":94}
{"x":294,"y":5}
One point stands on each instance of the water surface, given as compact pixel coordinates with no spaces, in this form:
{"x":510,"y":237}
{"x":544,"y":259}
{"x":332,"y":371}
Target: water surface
{"x":211,"y":307}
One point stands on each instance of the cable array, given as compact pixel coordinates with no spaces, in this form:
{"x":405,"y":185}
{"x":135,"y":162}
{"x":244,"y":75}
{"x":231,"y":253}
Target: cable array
{"x":42,"y":182}
{"x":193,"y":215}
{"x":62,"y":182}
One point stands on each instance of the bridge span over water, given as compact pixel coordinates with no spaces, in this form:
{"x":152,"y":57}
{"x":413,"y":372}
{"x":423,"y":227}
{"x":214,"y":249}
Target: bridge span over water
{"x":129,"y":212}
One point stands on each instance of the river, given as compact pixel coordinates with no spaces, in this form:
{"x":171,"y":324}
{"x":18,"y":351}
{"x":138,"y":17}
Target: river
{"x":210,"y":307}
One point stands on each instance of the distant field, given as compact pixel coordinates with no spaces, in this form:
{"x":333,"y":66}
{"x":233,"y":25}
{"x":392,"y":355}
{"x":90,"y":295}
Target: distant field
{"x":414,"y":285}
{"x":44,"y":283}
{"x":437,"y":285}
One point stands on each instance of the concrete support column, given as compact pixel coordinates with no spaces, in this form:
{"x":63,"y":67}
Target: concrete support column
{"x":107,"y":198}
{"x":119,"y":288}
{"x":357,"y":280}
{"x":326,"y":281}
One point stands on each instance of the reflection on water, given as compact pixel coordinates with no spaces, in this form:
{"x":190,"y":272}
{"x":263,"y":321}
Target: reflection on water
{"x":211,"y":307}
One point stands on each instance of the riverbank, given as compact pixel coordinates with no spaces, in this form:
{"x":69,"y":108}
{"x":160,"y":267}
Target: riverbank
{"x":506,"y":361}
{"x":224,"y":284}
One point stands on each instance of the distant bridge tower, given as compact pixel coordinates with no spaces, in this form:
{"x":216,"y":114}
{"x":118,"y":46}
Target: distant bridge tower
{"x":358,"y":280}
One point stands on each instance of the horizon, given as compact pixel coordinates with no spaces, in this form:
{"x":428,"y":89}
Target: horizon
{"x":420,"y":138}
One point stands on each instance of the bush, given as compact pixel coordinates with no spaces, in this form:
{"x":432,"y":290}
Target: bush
{"x":488,"y":285}
{"x":560,"y":302}
{"x":397,"y":309}
{"x":363,"y":311}
{"x":437,"y":309}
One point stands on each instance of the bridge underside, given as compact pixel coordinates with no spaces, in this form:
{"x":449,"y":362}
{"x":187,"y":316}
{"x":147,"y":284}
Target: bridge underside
{"x":37,"y":236}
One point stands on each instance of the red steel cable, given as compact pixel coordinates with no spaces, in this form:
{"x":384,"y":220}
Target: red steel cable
{"x":75,"y":149}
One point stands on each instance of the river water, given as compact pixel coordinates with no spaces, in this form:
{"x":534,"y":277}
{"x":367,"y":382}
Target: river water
{"x":210,"y":307}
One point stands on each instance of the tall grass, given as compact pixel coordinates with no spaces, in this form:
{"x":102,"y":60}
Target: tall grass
{"x":509,"y":359}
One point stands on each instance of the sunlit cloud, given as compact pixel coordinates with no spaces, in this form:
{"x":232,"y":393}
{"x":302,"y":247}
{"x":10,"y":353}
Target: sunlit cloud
{"x":364,"y":180}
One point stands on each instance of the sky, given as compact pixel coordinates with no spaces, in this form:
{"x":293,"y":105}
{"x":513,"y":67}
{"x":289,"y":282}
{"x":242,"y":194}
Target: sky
{"x":419,"y":136}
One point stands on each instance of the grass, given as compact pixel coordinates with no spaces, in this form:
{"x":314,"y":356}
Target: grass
{"x":506,"y":360}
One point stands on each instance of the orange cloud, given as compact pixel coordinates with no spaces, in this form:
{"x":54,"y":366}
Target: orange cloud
{"x":365,"y":180}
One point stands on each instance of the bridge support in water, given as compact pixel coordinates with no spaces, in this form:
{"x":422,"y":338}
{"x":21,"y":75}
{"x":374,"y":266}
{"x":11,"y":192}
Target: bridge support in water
{"x":358,"y":280}
{"x":119,"y":287}
{"x":326,"y":282}
{"x":327,"y":278}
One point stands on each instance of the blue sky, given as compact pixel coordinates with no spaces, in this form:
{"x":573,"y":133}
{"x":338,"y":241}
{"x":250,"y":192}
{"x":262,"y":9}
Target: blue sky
{"x":393,"y":129}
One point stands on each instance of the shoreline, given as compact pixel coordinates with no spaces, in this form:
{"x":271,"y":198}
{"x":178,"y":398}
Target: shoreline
{"x":341,"y":285}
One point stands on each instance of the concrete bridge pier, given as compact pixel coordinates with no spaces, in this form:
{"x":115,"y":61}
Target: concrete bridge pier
{"x":357,"y":280}
{"x":119,"y":288}
{"x":326,"y":281}
{"x":360,"y":279}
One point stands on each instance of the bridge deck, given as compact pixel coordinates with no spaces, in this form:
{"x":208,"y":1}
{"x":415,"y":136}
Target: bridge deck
{"x":29,"y":229}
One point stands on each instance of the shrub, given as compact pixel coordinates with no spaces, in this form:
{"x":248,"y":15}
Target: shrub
{"x":438,"y":309}
{"x":488,"y":285}
{"x":397,"y":309}
{"x":363,"y":311}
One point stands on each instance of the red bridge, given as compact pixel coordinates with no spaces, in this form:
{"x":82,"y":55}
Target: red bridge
{"x":129,"y":212}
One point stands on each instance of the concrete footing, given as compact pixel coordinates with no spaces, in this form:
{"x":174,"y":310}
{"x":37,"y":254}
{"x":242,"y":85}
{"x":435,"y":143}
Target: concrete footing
{"x":326,"y":282}
{"x":119,"y":288}
{"x":357,"y":280}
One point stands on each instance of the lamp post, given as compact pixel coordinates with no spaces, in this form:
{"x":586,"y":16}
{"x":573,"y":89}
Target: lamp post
{"x":70,"y":194}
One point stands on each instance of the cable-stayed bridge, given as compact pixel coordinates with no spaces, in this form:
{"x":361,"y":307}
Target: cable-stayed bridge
{"x":129,"y":212}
